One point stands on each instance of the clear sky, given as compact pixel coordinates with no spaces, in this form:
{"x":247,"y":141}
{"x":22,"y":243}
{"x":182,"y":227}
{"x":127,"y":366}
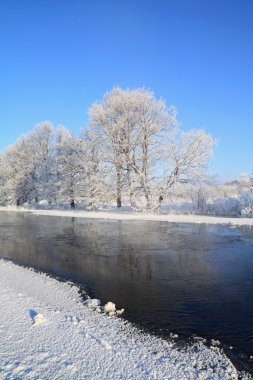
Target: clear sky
{"x":59,"y":56}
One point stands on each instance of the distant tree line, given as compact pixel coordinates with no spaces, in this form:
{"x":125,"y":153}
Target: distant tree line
{"x":132,"y":148}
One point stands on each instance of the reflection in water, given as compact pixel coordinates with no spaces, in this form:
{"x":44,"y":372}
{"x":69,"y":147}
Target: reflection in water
{"x":185,"y":278}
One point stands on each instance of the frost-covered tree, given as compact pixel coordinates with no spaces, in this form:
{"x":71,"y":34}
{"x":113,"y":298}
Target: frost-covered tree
{"x":80,"y":173}
{"x":185,"y":159}
{"x":27,"y":166}
{"x":108,"y":123}
{"x":20,"y":172}
{"x":131,"y":149}
{"x":129,"y":126}
{"x":66,"y":168}
{"x":94,"y":185}
{"x":40,"y":145}
{"x":3,"y":180}
{"x":245,"y":182}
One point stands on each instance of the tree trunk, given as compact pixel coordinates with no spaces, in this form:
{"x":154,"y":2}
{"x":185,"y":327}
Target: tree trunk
{"x":144,"y":179}
{"x":118,"y":188}
{"x":130,"y":187}
{"x":146,"y":194}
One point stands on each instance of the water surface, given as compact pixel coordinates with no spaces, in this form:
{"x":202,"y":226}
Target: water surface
{"x":182,"y":278}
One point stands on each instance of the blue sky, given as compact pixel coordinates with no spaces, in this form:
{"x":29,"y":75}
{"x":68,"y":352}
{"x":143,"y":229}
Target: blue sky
{"x":59,"y":56}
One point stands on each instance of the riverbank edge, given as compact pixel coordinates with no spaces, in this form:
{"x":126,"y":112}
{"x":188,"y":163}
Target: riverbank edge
{"x":50,"y":311}
{"x":126,"y":215}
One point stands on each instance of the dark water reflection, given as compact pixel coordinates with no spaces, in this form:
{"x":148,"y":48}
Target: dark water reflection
{"x":185,"y":278}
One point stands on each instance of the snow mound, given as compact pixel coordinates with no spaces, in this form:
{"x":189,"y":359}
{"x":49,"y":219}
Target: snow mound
{"x":109,"y":308}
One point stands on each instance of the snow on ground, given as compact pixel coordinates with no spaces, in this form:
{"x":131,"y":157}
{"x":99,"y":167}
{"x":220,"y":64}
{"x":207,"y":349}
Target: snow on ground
{"x":122,"y":215}
{"x":47,"y":333}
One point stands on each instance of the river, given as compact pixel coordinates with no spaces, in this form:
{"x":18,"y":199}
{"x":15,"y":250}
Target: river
{"x":189,"y":279}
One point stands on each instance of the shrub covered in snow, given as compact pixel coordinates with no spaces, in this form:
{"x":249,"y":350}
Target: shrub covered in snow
{"x":246,"y":200}
{"x":225,"y":207}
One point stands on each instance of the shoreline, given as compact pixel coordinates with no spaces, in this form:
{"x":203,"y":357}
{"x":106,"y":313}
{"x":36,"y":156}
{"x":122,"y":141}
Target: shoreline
{"x":125,"y":215}
{"x":49,"y":333}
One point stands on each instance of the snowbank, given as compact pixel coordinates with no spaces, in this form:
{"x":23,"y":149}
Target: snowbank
{"x":47,"y":333}
{"x":121,"y":215}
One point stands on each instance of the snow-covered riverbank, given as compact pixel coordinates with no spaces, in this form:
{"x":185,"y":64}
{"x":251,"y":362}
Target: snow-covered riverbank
{"x":47,"y":333}
{"x":124,"y":215}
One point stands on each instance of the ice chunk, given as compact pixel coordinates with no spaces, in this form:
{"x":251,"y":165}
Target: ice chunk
{"x":110,"y":307}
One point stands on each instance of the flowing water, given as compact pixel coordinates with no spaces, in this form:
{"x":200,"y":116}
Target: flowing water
{"x":182,"y":278}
